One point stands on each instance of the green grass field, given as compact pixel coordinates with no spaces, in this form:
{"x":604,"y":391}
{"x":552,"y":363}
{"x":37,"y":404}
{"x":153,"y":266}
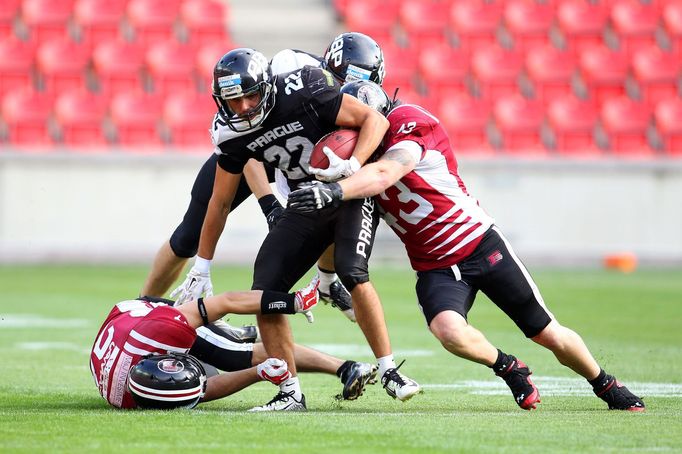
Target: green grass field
{"x":632,"y":323}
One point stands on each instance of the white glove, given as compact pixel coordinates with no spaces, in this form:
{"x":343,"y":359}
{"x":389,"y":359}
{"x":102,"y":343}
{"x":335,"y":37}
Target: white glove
{"x":274,"y":370}
{"x":338,"y":168}
{"x":196,"y":284}
{"x":307,"y":298}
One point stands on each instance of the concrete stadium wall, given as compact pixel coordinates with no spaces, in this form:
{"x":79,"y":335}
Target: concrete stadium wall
{"x":117,"y":207}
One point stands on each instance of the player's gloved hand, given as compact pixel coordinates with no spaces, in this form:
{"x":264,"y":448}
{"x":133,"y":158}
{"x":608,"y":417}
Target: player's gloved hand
{"x":316,"y":197}
{"x":272,"y":209}
{"x":307,"y":298}
{"x":273,"y":370}
{"x":197,"y":283}
{"x":338,"y":168}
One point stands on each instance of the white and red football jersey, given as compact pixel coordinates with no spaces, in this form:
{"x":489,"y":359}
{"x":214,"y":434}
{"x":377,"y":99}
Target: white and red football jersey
{"x":430,"y":209}
{"x":132,"y":330}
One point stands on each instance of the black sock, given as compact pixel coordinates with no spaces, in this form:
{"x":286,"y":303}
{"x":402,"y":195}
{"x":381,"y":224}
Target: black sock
{"x":340,"y":371}
{"x":601,"y":381}
{"x":503,"y":361}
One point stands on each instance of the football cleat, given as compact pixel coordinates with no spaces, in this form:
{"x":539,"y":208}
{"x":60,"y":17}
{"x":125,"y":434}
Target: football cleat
{"x":283,"y":402}
{"x":618,"y":397}
{"x":517,"y":376}
{"x":247,"y":334}
{"x":355,"y":378}
{"x":399,"y":386}
{"x":339,"y":297}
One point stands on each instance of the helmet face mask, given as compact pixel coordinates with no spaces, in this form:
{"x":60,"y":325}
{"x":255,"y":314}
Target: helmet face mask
{"x":355,"y":56}
{"x":239,"y":73}
{"x":165,"y":382}
{"x":370,"y":94}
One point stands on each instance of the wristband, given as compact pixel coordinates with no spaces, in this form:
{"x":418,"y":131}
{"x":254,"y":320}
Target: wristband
{"x":202,"y":311}
{"x":202,"y":265}
{"x":266,"y":203}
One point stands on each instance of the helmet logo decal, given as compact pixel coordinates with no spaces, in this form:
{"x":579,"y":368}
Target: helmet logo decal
{"x":258,"y":66}
{"x":335,"y":52}
{"x":230,"y":86}
{"x":357,"y":73}
{"x":170,"y":366}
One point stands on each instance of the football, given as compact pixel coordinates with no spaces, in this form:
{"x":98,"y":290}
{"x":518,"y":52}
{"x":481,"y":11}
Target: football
{"x":342,"y":142}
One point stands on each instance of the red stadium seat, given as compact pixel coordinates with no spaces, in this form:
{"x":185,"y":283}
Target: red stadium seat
{"x":424,"y":21}
{"x":26,"y":115}
{"x":136,"y":117}
{"x":551,"y":72}
{"x":80,"y":114}
{"x":118,"y":65}
{"x":171,"y":66}
{"x":99,"y":20}
{"x":520,"y":121}
{"x":16,"y":64}
{"x":658,"y":73}
{"x":205,"y":20}
{"x":8,"y":12}
{"x":153,"y":20}
{"x":626,"y":121}
{"x":604,"y":71}
{"x":668,"y":115}
{"x":672,"y":19}
{"x":46,"y":19}
{"x":635,"y":22}
{"x":62,"y":64}
{"x":529,"y":23}
{"x":496,"y":71}
{"x":206,"y":58}
{"x":375,"y":18}
{"x":401,"y":67}
{"x":466,"y":121}
{"x":573,"y":121}
{"x":188,"y":116}
{"x":475,"y":23}
{"x":582,"y":24}
{"x":443,"y":69}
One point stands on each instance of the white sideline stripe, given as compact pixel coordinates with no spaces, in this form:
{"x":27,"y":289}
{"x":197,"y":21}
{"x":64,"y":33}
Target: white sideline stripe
{"x":557,"y":386}
{"x":19,"y":321}
{"x":39,"y":346}
{"x":351,"y":350}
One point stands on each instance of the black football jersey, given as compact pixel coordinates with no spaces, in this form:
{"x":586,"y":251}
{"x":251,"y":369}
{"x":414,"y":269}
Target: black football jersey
{"x":307,"y":102}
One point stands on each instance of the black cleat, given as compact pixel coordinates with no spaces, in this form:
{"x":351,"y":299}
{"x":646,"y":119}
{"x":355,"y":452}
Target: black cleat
{"x":355,"y":378}
{"x":517,"y":376}
{"x":617,"y":396}
{"x":339,"y":297}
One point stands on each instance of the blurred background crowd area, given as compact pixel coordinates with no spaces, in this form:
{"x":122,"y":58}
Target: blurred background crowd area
{"x":577,"y":78}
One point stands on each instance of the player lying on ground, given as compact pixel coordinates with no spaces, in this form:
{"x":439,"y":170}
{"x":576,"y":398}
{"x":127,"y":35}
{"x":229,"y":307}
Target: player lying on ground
{"x":129,"y":359}
{"x":457,"y":250}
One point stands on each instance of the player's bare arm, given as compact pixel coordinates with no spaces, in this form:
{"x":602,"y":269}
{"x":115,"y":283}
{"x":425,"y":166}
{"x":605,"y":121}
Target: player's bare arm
{"x":256,"y":178}
{"x":372,"y":125}
{"x":224,"y":189}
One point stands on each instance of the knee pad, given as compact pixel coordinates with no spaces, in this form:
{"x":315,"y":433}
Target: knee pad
{"x":183,"y":244}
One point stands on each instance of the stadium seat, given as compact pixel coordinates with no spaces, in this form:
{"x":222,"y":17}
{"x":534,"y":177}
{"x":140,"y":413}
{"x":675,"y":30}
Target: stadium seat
{"x":80,"y":115}
{"x":573,"y":121}
{"x":136,"y":118}
{"x":496,"y":71}
{"x":153,"y":20}
{"x":466,"y":121}
{"x":26,"y":115}
{"x":376,"y":18}
{"x":626,"y":121}
{"x":98,"y":20}
{"x":188,"y":116}
{"x":551,"y":71}
{"x":401,"y":67}
{"x":118,"y":65}
{"x":46,"y":19}
{"x":582,"y":24}
{"x":424,"y":21}
{"x":205,"y":21}
{"x":475,"y":22}
{"x":520,"y":121}
{"x":9,"y":9}
{"x":529,"y":23}
{"x":62,"y":64}
{"x":16,"y":64}
{"x":171,"y":66}
{"x":443,"y":69}
{"x":672,"y":20}
{"x":668,"y":116}
{"x":604,"y":71}
{"x":635,"y":22}
{"x":206,"y":58}
{"x":658,"y":73}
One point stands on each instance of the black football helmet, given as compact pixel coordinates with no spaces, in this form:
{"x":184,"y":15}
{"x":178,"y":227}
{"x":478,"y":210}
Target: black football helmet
{"x":175,"y":380}
{"x":238,"y":73}
{"x":354,"y":56}
{"x":369,"y":93}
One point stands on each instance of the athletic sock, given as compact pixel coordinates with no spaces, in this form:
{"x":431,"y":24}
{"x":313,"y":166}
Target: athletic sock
{"x":600,"y":382}
{"x":292,"y":385}
{"x":385,"y":363}
{"x":326,"y":279}
{"x":502,"y":362}
{"x":340,"y":371}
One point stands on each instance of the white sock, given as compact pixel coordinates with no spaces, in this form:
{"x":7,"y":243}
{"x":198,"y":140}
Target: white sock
{"x":326,"y":280}
{"x":385,"y":363}
{"x":292,"y":385}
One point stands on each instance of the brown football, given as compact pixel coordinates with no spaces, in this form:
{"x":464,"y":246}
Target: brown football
{"x":342,"y":142}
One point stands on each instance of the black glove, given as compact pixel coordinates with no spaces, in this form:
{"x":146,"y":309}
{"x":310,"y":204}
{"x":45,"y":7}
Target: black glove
{"x":272,"y":209}
{"x":316,"y":197}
